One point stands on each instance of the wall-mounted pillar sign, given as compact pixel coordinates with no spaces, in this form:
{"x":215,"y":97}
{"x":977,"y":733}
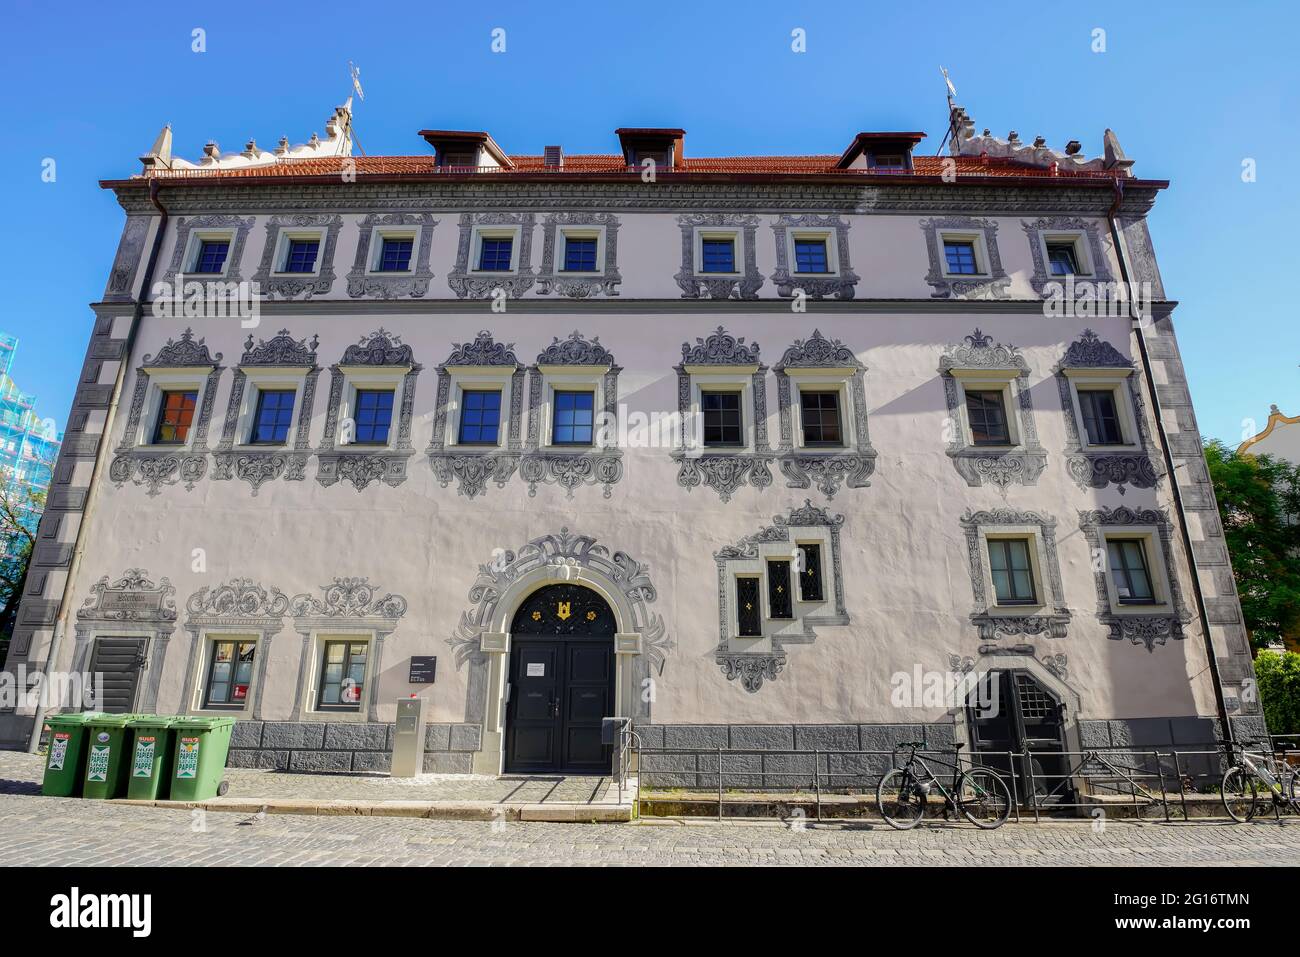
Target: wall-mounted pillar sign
{"x":423,"y":669}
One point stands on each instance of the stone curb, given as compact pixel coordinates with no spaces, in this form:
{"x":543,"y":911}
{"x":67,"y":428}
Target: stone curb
{"x":436,"y":810}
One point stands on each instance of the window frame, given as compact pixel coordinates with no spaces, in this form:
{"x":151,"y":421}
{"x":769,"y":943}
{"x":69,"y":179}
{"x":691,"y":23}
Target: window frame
{"x":740,"y":413}
{"x":477,"y":379}
{"x":154,"y":439}
{"x":564,"y":234}
{"x":1161,"y":603}
{"x":555,"y":394}
{"x":1034,"y":600}
{"x":1078,"y":240}
{"x":989,"y":381}
{"x":284,"y":242}
{"x":268,"y":378}
{"x":370,"y":378}
{"x":737,"y":239}
{"x":375,"y":258}
{"x":1117,"y":381}
{"x":323,"y":641}
{"x":735,"y":379}
{"x":460,"y":421}
{"x":163,"y":380}
{"x":194,"y":248}
{"x":572,"y":378}
{"x":978,"y":248}
{"x":210,"y":642}
{"x":828,"y":236}
{"x":1038,"y":561}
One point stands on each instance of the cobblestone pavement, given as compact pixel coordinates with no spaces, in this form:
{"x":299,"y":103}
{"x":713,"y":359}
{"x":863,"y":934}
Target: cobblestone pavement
{"x":35,"y":830}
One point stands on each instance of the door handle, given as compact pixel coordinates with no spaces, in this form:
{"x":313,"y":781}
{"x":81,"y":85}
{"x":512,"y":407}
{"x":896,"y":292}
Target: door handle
{"x":555,"y":707}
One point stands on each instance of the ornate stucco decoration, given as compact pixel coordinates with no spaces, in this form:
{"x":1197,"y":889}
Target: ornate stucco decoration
{"x":722,"y":470}
{"x":557,"y":552}
{"x":993,"y":284}
{"x":239,"y":226}
{"x":1093,"y":468}
{"x":130,"y":250}
{"x":753,"y":668}
{"x":133,"y":606}
{"x":240,"y":605}
{"x":153,"y":467}
{"x":1051,"y":616}
{"x":1148,"y":629}
{"x":467,"y":284}
{"x":598,"y":464}
{"x":360,"y":465}
{"x":698,"y":285}
{"x":579,"y":286}
{"x":362,"y":281}
{"x":998,"y":467}
{"x":1042,"y":277}
{"x":851,"y":465}
{"x":840,"y":285}
{"x":256,"y":465}
{"x":299,"y":286}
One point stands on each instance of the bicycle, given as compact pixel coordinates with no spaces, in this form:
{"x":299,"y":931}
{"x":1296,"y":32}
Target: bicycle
{"x":979,"y":794}
{"x":1239,"y":789}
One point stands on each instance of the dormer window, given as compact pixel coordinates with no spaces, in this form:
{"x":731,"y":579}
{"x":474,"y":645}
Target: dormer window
{"x":660,"y":158}
{"x":458,"y":158}
{"x":887,"y":161}
{"x":663,"y":147}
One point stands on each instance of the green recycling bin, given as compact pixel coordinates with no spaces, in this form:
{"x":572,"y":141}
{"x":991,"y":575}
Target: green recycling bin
{"x":201,"y":748}
{"x":65,"y":762}
{"x":152,"y":740}
{"x":108,"y":755}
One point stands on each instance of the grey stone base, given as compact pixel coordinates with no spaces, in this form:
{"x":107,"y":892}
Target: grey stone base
{"x":756,"y":771}
{"x":345,"y":747}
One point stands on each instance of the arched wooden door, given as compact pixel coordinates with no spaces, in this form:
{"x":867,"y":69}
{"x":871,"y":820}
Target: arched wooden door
{"x":561,"y":683}
{"x":1013,"y":712}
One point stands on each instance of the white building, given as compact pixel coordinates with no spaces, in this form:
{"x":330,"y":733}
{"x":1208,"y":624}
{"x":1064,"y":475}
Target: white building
{"x":857,"y":438}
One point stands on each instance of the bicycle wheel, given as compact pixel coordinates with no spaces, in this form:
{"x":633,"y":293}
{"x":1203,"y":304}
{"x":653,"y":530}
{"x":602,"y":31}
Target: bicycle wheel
{"x":1240,"y":794}
{"x":983,"y":798}
{"x":901,"y":802}
{"x":1293,"y":793}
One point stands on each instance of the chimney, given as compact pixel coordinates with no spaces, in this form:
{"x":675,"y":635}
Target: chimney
{"x":553,"y":157}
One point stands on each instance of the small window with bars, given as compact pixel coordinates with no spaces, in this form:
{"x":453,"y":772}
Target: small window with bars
{"x":579,"y":254}
{"x":723,"y":423}
{"x":374,"y":416}
{"x":574,"y":418}
{"x":811,"y":586}
{"x":273,"y":417}
{"x":211,"y":258}
{"x":810,"y":256}
{"x":819,"y":413}
{"x":480,"y":417}
{"x":1063,"y":258}
{"x":301,"y":255}
{"x":749,"y":616}
{"x":495,"y":253}
{"x":780,"y":597}
{"x":718,"y":255}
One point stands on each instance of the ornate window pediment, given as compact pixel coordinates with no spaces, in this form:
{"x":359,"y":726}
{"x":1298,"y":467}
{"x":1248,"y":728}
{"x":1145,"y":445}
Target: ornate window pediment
{"x":379,"y":361}
{"x":187,"y":363}
{"x":980,"y":364}
{"x":284,"y":360}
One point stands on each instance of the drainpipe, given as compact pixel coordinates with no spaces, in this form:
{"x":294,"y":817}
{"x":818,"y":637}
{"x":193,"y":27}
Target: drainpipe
{"x":1111,"y":215}
{"x":78,"y":548}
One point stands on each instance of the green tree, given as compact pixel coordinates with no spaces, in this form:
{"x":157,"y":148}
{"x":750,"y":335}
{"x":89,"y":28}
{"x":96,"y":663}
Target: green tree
{"x":1278,"y":680}
{"x":1259,"y":502}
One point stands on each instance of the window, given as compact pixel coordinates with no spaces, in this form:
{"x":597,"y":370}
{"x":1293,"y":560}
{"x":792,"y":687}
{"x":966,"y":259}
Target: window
{"x":273,"y":417}
{"x":175,"y":413}
{"x":820,"y":412}
{"x":460,"y":159}
{"x":988,"y":418}
{"x":1100,"y":417}
{"x":301,"y":256}
{"x":780,"y":602}
{"x":395,"y":255}
{"x":211,"y":259}
{"x":722,"y":420}
{"x":890,"y":161}
{"x":1062,"y":259}
{"x":961,"y":257}
{"x":573,"y":418}
{"x":810,"y":578}
{"x":748,"y":615}
{"x":718,"y":255}
{"x":480,"y":417}
{"x":1129,"y":572}
{"x":660,"y":157}
{"x":374,"y":416}
{"x":230,"y":672}
{"x":579,"y":254}
{"x":810,"y":255}
{"x":1013,"y":575}
{"x":342,"y":676}
{"x":495,"y":254}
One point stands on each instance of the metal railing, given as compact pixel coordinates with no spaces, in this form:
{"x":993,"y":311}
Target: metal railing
{"x":1137,"y":780}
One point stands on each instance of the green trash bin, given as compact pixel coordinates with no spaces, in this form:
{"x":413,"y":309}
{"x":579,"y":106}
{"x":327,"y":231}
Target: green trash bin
{"x":65,"y":761}
{"x":152,"y":739}
{"x":201,"y":748}
{"x":108,"y":755}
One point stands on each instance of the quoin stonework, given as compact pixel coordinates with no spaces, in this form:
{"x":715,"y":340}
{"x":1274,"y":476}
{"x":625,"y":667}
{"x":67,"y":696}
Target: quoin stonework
{"x":720,"y":445}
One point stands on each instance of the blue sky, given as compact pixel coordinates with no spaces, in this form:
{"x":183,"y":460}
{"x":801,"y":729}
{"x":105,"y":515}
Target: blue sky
{"x":1190,"y":88}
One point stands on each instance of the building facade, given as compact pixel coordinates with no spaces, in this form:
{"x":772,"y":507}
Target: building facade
{"x":29,"y":446}
{"x":746,"y":450}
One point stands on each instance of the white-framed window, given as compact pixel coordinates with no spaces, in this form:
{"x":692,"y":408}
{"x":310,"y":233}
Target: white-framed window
{"x":340,"y":672}
{"x":479,"y":402}
{"x":171,"y":409}
{"x":495,"y":250}
{"x":963,"y":253}
{"x":1066,"y":254}
{"x":1137,"y":579}
{"x":227,"y":672}
{"x":208,"y":253}
{"x":812,"y":252}
{"x":371,"y":406}
{"x":1013,"y":561}
{"x":268,"y":407}
{"x":1103,"y":408}
{"x":719,"y":251}
{"x":987,"y":404}
{"x":821,"y":403}
{"x":393,"y":250}
{"x":581,"y":250}
{"x":298,"y":252}
{"x":573,"y":398}
{"x":721,"y":410}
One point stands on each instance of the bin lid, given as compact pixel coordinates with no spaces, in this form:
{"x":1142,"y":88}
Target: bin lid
{"x":111,"y":720}
{"x":71,"y":718}
{"x":152,"y":721}
{"x":202,"y":724}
